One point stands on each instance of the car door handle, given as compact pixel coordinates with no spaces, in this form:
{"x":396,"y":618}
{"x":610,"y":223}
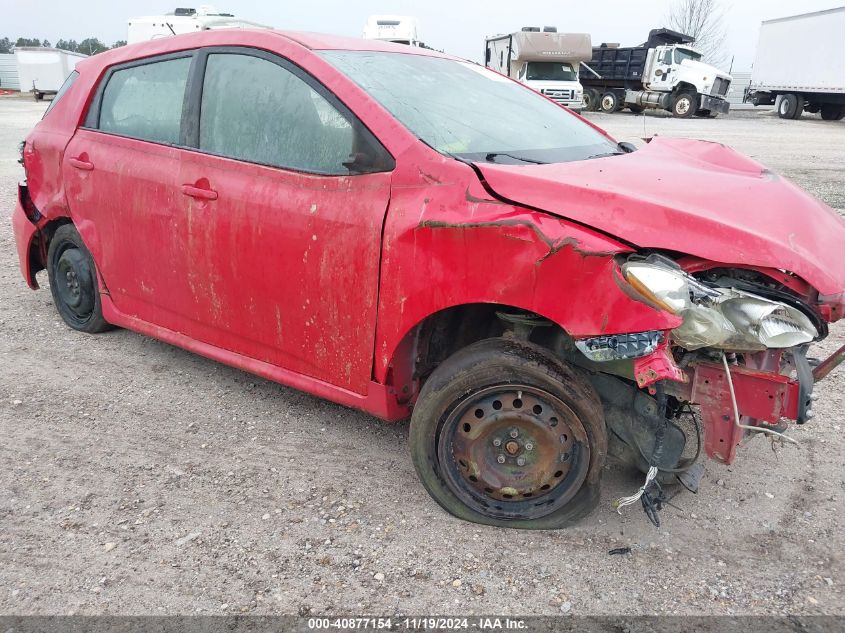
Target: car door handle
{"x":80,"y":163}
{"x":198,"y":192}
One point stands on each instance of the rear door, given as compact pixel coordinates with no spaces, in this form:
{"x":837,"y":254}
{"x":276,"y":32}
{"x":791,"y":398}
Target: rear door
{"x":283,"y":203}
{"x":121,"y":171}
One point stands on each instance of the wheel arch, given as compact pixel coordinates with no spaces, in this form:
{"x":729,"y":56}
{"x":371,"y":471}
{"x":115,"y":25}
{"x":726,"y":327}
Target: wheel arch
{"x":435,"y":337}
{"x":38,"y":245}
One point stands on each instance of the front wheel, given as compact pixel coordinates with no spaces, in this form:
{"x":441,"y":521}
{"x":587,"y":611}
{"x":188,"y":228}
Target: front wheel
{"x":685,"y":105}
{"x":73,"y":282}
{"x":505,"y":434}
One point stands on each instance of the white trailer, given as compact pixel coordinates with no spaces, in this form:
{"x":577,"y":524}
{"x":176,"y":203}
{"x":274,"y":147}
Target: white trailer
{"x":799,"y":65}
{"x":401,"y":29}
{"x":546,"y":60}
{"x":184,"y":20}
{"x":43,"y":70}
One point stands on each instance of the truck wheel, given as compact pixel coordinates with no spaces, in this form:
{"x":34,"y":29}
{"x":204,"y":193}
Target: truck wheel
{"x":505,"y":434}
{"x":610,"y":102}
{"x":685,"y":105}
{"x":592,"y":100}
{"x":833,"y":112}
{"x":73,"y":282}
{"x":790,"y":106}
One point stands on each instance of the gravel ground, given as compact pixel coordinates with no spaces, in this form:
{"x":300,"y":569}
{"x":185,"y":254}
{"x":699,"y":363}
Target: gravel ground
{"x":138,"y":478}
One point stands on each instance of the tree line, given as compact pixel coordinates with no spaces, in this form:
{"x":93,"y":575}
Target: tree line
{"x":88,"y":46}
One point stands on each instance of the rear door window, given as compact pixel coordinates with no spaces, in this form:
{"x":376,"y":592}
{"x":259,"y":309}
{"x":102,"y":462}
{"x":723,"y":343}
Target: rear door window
{"x":256,"y":110}
{"x":145,"y":101}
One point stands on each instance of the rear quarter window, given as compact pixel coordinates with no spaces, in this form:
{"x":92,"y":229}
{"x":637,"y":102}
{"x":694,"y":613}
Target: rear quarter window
{"x":65,"y":87}
{"x":145,"y":102}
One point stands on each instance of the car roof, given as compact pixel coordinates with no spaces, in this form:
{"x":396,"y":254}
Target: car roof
{"x":256,"y":37}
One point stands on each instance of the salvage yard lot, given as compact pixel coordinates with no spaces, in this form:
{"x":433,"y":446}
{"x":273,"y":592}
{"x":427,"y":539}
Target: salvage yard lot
{"x":139,"y":478}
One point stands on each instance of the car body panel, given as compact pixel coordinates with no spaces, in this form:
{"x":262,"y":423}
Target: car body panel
{"x":336,"y":316}
{"x":692,"y":197}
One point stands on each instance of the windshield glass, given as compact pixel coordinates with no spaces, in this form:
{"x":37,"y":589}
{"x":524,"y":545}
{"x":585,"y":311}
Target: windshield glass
{"x":550,"y":71}
{"x":465,"y":110}
{"x":681,"y":55}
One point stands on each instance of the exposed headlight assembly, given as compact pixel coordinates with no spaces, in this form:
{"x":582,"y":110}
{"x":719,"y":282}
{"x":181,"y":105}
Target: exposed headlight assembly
{"x":723,"y":318}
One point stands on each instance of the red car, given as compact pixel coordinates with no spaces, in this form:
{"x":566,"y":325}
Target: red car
{"x":408,"y":233}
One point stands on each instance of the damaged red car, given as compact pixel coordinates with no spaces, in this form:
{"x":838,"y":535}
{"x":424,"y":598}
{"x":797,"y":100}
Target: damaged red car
{"x":411,"y":234}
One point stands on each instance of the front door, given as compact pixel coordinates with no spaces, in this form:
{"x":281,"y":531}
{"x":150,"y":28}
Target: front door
{"x":283,"y":204}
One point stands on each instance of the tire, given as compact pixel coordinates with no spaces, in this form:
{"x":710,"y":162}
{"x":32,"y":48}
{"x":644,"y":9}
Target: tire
{"x":610,"y":102}
{"x":833,"y":112}
{"x":790,"y":107}
{"x":497,"y":402}
{"x":591,"y":100}
{"x":73,"y":282}
{"x":685,"y":105}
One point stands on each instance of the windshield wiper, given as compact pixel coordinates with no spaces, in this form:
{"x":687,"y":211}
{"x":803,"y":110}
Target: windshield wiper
{"x":605,"y":155}
{"x":491,"y":157}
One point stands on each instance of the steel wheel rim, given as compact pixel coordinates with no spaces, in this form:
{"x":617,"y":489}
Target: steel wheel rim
{"x":513,"y":452}
{"x":71,"y":274}
{"x":607,"y":103}
{"x":682,"y":106}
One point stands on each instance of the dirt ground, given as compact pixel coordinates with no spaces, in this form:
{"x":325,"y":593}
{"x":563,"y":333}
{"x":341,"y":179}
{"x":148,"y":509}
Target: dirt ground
{"x":137,"y":478}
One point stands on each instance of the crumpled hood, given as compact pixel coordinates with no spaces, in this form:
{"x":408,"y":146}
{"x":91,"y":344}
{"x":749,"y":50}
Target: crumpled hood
{"x":695,"y":197}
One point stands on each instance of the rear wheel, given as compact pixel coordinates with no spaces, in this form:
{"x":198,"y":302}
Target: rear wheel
{"x":73,"y":282}
{"x":610,"y":102}
{"x":592,"y":100}
{"x":833,"y":112}
{"x":685,"y":105}
{"x":505,"y":434}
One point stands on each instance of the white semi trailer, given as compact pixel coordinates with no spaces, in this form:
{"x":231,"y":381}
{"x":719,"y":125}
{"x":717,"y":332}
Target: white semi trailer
{"x":184,"y":20}
{"x":44,"y":70}
{"x":546,"y":60}
{"x":400,"y":29}
{"x":799,"y":66}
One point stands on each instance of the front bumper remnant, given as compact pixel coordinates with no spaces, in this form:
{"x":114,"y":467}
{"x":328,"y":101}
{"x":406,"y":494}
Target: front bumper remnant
{"x":714,"y":105}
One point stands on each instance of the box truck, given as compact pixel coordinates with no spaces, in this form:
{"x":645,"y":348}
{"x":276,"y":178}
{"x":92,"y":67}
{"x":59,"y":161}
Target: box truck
{"x":665,"y":73}
{"x":184,"y":20}
{"x":798,"y":67}
{"x":546,"y":60}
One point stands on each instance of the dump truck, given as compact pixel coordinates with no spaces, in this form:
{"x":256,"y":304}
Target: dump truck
{"x":546,"y":60}
{"x":798,"y":68}
{"x":665,"y":73}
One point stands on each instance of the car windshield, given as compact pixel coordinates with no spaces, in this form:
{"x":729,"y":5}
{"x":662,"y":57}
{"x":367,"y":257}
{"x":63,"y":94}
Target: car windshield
{"x":681,"y":55}
{"x":470,"y":112}
{"x":550,"y":71}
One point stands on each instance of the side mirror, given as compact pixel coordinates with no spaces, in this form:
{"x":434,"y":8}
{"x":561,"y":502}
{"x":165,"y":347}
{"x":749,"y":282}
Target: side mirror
{"x":627,"y":147}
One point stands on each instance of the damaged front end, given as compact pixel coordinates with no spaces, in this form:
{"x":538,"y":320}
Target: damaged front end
{"x":736,"y":365}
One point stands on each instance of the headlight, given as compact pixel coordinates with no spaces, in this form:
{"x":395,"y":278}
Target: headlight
{"x":666,"y":287}
{"x":723,"y":318}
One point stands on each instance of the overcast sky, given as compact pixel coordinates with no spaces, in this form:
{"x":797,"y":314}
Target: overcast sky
{"x":457,"y":26}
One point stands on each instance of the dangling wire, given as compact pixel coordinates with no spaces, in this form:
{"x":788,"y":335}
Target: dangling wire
{"x":626,"y":501}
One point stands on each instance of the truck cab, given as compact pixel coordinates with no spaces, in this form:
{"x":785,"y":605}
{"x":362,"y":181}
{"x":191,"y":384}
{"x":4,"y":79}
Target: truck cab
{"x":557,"y":80}
{"x":670,"y":68}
